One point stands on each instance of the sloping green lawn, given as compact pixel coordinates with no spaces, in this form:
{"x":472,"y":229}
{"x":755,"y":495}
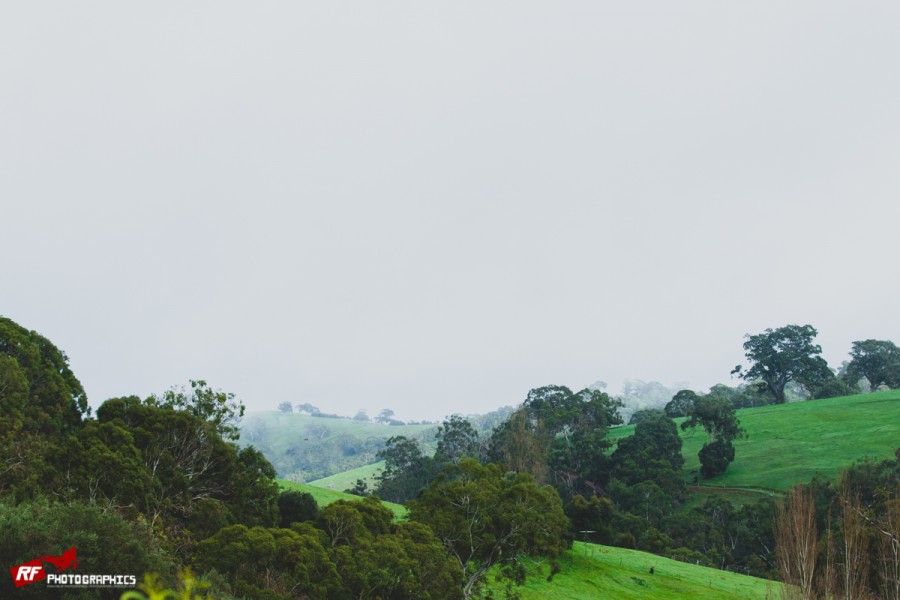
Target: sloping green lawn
{"x":325,"y":497}
{"x":592,"y":571}
{"x":347,"y":479}
{"x":790,"y":443}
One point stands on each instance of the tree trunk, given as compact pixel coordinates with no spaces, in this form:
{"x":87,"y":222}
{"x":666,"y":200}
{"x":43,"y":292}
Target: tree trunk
{"x":795,"y":538}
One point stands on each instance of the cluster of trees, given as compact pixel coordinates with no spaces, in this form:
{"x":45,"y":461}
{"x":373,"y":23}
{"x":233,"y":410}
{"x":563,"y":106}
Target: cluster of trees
{"x":160,"y":484}
{"x":385,"y":417}
{"x":306,"y":408}
{"x":842,"y":539}
{"x":629,"y":493}
{"x":788,"y":355}
{"x":715,"y":412}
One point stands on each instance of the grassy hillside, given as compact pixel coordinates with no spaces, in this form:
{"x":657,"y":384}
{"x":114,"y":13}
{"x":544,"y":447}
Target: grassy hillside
{"x":790,"y":443}
{"x":591,"y":571}
{"x":304,"y":448}
{"x":325,"y":497}
{"x":347,"y":479}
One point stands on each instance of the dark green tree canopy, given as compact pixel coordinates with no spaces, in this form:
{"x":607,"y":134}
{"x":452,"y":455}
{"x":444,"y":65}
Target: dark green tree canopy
{"x":456,"y":439}
{"x":406,"y":469}
{"x":558,"y":436}
{"x":646,"y":474}
{"x":37,"y":387}
{"x":184,"y":460}
{"x":681,"y":404}
{"x":645,"y":414}
{"x":717,"y":416}
{"x":557,"y":408}
{"x":41,"y":404}
{"x":484,"y":517}
{"x":656,"y":437}
{"x":780,"y":356}
{"x":715,"y":458}
{"x":296,"y":507}
{"x":876,"y":360}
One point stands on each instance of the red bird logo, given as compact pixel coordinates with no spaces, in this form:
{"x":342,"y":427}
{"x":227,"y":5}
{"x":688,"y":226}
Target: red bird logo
{"x":67,"y":560}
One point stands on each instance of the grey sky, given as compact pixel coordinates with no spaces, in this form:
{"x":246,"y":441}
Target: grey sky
{"x":434,"y":207}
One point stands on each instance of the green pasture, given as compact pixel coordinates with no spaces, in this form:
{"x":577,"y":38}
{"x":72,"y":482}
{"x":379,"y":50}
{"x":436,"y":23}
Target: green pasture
{"x":325,"y":497}
{"x":282,"y":430}
{"x":592,"y":571}
{"x":347,"y":479}
{"x":790,"y":443}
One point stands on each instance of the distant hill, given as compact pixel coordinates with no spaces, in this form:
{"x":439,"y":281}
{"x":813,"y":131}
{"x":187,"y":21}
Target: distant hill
{"x":309,"y":448}
{"x":304,"y":448}
{"x":790,"y":443}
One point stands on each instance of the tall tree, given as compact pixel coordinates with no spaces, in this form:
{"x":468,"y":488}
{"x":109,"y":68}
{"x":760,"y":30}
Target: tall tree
{"x":681,"y":404}
{"x":646,"y":473}
{"x":876,"y":360}
{"x":780,"y":356}
{"x":484,"y":517}
{"x":214,"y":406}
{"x":795,"y":538}
{"x":41,"y":402}
{"x":717,"y":416}
{"x":385,"y":416}
{"x":406,"y":470}
{"x":309,"y":409}
{"x":456,"y":439}
{"x":561,"y":430}
{"x":36,"y":384}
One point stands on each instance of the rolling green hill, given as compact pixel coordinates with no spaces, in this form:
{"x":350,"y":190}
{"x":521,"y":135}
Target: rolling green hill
{"x":790,"y":443}
{"x":325,"y":497}
{"x":592,"y":571}
{"x":347,"y":479}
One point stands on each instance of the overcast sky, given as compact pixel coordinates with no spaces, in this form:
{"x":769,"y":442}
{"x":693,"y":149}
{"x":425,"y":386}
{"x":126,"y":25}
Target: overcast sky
{"x":434,"y":207}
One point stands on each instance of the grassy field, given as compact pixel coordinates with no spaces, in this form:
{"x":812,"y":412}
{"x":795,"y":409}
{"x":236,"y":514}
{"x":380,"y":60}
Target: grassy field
{"x":591,"y":571}
{"x":347,"y":479}
{"x":790,"y":443}
{"x":284,"y":427}
{"x":325,"y":497}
